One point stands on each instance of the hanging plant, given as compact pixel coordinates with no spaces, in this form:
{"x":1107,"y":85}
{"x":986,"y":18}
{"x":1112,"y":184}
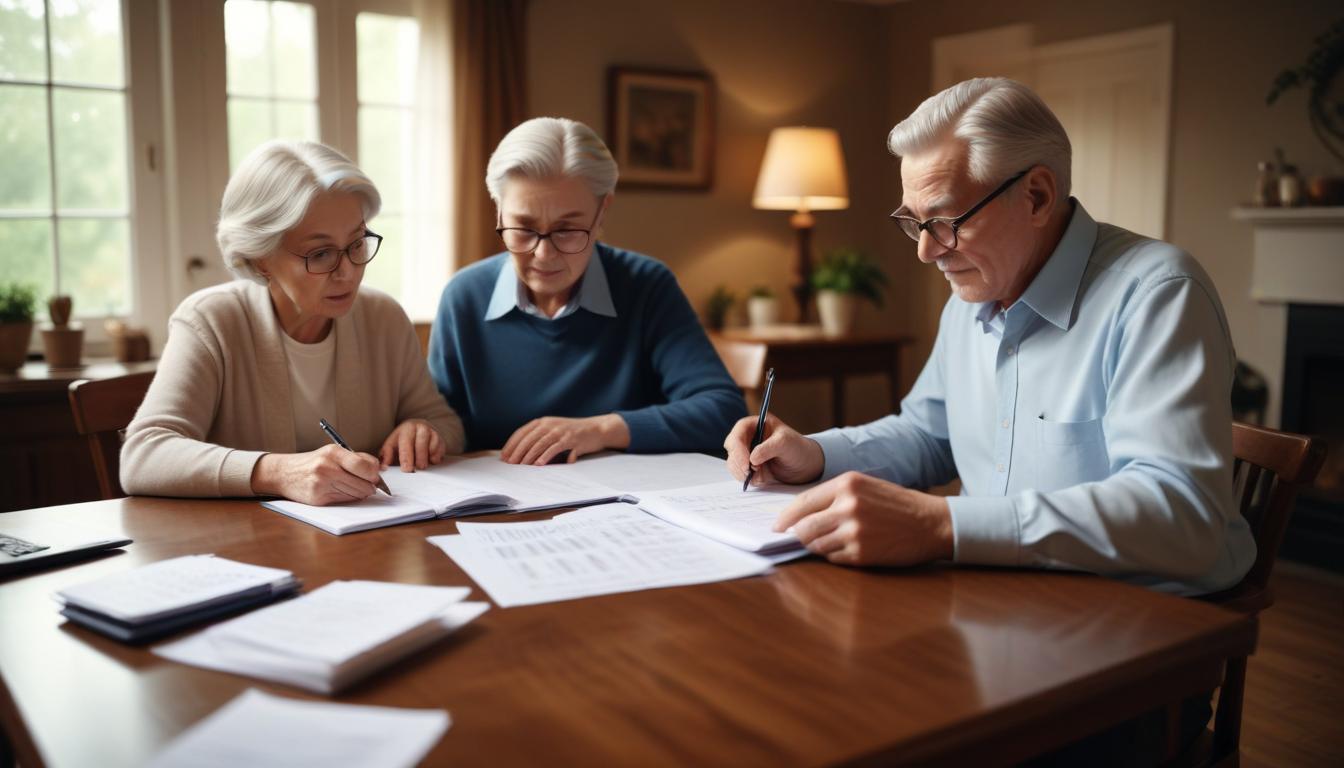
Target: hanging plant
{"x":1320,"y":75}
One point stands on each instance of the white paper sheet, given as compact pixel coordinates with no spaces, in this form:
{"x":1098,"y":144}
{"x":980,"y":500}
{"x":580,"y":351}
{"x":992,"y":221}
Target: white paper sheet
{"x":169,"y":586}
{"x":259,"y":730}
{"x":555,"y":485}
{"x":635,"y":473}
{"x":723,"y":511}
{"x":612,"y":548}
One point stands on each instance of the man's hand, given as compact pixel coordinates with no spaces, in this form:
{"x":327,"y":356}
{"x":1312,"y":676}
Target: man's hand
{"x":857,"y":519}
{"x":784,"y":455}
{"x":329,"y":475}
{"x":541,"y":440}
{"x":415,"y":443}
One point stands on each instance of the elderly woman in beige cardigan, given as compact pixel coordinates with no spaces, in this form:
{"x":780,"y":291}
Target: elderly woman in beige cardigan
{"x":251,"y":366}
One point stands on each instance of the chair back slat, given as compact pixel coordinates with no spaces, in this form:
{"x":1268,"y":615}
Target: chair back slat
{"x":102,"y":408}
{"x":745,"y":361}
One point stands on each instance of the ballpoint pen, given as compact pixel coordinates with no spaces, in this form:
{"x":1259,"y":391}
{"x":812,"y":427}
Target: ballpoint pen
{"x":760,"y":425}
{"x":335,"y":438}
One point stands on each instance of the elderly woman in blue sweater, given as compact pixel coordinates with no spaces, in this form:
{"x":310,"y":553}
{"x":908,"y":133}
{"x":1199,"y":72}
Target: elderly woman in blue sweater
{"x":562,"y":345}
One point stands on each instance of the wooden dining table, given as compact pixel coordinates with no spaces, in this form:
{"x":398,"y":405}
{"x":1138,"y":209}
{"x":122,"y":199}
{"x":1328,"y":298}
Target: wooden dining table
{"x":812,"y":664}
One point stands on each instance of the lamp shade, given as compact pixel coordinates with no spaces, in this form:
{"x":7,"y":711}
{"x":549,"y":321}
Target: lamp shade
{"x":804,"y":170}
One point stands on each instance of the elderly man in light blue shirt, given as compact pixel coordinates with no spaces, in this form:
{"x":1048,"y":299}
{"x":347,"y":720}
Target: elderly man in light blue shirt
{"x":1079,"y":385}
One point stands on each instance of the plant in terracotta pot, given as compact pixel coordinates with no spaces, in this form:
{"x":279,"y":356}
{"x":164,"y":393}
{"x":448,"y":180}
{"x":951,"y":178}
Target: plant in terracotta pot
{"x":762,"y":307}
{"x":17,"y":304}
{"x":843,"y":276}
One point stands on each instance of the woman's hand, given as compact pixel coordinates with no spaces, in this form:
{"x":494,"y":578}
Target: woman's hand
{"x":329,"y":475}
{"x":415,"y":443}
{"x":541,"y":440}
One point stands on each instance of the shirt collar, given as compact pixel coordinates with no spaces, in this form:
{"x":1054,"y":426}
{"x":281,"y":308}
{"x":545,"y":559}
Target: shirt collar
{"x":1054,"y":291}
{"x":594,"y":293}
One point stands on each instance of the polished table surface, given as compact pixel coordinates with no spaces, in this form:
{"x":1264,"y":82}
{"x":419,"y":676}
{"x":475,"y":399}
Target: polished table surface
{"x":813,"y":664}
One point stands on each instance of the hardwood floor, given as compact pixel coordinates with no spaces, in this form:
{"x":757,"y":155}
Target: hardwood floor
{"x":1294,"y":709}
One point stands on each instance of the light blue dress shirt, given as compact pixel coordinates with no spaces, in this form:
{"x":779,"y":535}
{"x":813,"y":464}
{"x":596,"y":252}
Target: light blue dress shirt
{"x":1090,"y":422}
{"x":593,"y":294}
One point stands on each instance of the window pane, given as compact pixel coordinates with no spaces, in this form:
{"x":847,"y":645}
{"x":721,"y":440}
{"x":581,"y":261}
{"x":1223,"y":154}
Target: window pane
{"x":295,"y":121}
{"x":295,"y":55}
{"x":90,"y":150}
{"x":25,"y":173}
{"x":86,"y":42}
{"x":23,"y":41}
{"x":25,"y":254}
{"x":386,"y":57}
{"x":96,"y":265}
{"x":249,"y":126}
{"x":384,"y":272}
{"x":247,"y":36}
{"x":385,"y":143}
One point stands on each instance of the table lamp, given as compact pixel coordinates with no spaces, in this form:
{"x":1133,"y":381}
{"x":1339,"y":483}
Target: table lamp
{"x":803,"y":171}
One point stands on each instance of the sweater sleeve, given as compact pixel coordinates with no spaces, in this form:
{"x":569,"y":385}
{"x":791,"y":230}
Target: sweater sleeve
{"x":418,"y":398}
{"x":165,"y":453}
{"x":703,"y":403}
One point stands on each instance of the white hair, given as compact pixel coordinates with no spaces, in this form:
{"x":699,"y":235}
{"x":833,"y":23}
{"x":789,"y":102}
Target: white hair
{"x":270,"y":193}
{"x":550,"y":148}
{"x":1006,"y":126}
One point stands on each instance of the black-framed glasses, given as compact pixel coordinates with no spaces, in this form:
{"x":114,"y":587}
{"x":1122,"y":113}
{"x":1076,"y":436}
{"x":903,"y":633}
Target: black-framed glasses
{"x":944,"y":229}
{"x":324,"y":260}
{"x":569,"y":241}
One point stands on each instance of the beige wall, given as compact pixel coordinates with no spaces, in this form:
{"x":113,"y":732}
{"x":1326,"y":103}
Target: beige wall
{"x":859,"y":68}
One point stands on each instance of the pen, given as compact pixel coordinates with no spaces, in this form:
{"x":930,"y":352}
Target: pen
{"x":335,"y":438}
{"x":760,"y":425}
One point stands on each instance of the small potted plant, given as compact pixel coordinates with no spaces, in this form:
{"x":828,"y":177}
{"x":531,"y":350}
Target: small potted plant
{"x":762,"y":307}
{"x":17,"y":304}
{"x":720,"y":301}
{"x":843,"y":276}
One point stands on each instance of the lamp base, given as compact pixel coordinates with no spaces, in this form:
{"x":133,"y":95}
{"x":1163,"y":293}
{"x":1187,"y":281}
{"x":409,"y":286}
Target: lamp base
{"x":802,"y":223}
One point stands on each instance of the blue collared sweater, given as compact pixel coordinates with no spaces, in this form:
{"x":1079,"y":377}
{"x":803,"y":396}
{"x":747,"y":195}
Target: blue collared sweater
{"x":652,"y":364}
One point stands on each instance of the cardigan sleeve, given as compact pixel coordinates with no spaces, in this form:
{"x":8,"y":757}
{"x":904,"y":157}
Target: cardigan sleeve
{"x":166,"y":453}
{"x":703,"y":403}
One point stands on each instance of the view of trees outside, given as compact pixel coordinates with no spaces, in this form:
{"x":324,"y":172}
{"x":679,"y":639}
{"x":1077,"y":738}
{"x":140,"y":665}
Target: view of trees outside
{"x":271,"y":59}
{"x":65,"y":229}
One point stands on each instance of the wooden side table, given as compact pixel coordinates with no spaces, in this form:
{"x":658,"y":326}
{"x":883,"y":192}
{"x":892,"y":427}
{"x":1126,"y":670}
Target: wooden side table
{"x":804,"y":352}
{"x":43,"y":460}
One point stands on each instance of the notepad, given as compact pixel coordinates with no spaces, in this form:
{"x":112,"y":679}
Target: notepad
{"x":724,"y":512}
{"x":330,"y":637}
{"x":259,"y":730}
{"x":156,"y":599}
{"x":457,"y":488}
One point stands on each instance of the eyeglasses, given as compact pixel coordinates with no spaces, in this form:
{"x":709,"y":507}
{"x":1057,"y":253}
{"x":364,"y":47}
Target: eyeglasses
{"x":569,"y":241}
{"x":324,"y":260}
{"x":944,"y":229}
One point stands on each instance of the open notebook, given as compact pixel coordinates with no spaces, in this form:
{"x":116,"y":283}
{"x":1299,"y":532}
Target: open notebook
{"x":456,"y":488}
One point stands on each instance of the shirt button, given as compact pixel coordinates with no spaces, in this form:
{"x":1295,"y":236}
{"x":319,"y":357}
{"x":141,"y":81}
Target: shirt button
{"x":1009,"y":351}
{"x":1000,"y":467}
{"x":1005,"y":423}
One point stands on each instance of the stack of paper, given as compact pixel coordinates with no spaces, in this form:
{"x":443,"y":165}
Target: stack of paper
{"x":259,"y":730}
{"x":330,"y":637}
{"x":595,"y":551}
{"x":156,"y":599}
{"x":726,"y":513}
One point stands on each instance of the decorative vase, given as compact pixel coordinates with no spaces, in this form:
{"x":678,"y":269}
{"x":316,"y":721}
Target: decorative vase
{"x":837,"y":311}
{"x":62,"y":341}
{"x":14,"y":340}
{"x":763,"y":311}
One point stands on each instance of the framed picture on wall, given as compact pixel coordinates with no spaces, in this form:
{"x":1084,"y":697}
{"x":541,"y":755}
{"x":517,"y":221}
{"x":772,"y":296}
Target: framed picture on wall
{"x":661,"y":127}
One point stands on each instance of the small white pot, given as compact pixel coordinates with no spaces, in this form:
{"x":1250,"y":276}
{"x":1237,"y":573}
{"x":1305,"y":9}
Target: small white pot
{"x":763,"y":311}
{"x":837,"y":311}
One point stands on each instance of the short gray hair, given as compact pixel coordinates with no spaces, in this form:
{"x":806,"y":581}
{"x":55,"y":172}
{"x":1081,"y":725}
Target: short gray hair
{"x":550,"y":148}
{"x":270,"y":193}
{"x":1007,"y":127}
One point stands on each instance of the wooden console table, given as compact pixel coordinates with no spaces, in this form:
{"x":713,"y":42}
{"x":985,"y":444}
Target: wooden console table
{"x":804,"y":352}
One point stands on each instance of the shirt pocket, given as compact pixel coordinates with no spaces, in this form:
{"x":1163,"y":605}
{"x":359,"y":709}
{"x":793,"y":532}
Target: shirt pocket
{"x":1069,"y":453}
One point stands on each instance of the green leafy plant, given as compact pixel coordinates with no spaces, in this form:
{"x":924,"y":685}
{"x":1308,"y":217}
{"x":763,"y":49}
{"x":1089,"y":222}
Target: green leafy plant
{"x":762,"y":292}
{"x":1320,"y":75}
{"x":849,"y":270}
{"x":18,"y":302}
{"x":720,"y":301}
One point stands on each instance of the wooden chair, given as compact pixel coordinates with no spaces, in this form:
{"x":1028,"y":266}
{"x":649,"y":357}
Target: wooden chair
{"x":1270,"y":466}
{"x":745,"y":361}
{"x":102,"y":408}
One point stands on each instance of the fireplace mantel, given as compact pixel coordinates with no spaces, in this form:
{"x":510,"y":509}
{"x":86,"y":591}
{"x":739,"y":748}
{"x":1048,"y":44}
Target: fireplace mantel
{"x":1298,"y":254}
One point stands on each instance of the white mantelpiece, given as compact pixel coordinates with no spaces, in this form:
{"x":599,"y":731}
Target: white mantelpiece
{"x":1298,"y":256}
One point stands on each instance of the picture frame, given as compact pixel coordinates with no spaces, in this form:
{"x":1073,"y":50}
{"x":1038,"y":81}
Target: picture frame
{"x":661,"y":127}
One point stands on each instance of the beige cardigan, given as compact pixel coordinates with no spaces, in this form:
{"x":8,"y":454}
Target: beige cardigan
{"x":220,"y":399}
